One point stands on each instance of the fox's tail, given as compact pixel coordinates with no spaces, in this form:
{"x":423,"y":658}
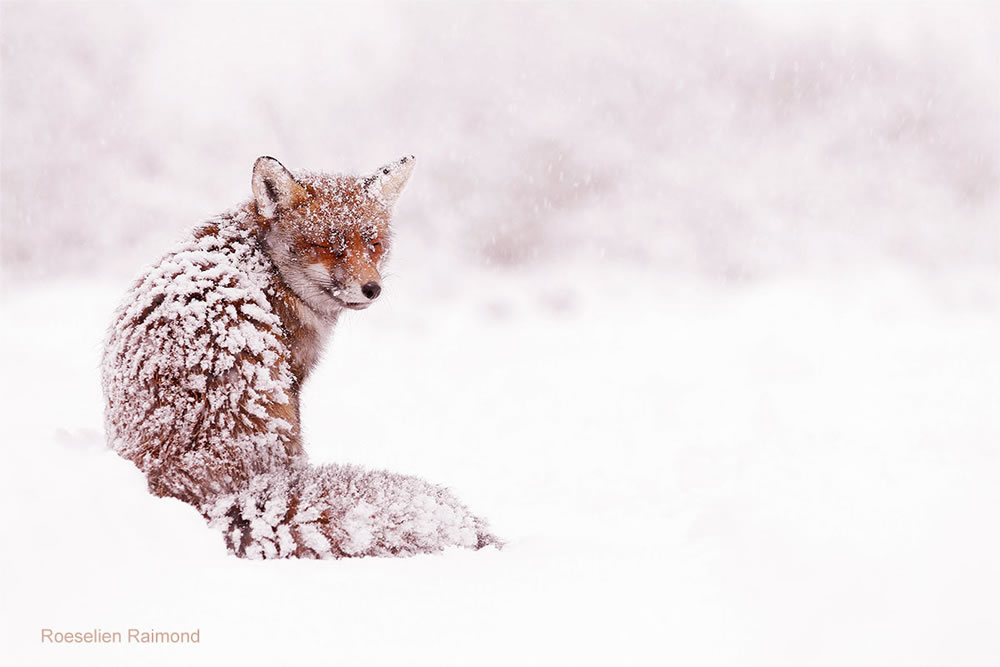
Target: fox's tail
{"x":333,"y":511}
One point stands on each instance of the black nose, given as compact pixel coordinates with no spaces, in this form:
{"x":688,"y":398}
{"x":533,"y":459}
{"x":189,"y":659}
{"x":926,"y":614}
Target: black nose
{"x":371,"y":290}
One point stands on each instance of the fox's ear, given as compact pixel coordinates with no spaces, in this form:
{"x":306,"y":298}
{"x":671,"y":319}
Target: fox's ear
{"x":274,"y":188}
{"x":388,"y":182}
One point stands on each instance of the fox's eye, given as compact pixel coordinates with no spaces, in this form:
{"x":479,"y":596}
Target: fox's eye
{"x":374,"y":246}
{"x":338,"y":252}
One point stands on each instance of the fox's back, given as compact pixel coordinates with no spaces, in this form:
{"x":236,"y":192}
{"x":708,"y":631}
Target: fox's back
{"x":196,"y":371}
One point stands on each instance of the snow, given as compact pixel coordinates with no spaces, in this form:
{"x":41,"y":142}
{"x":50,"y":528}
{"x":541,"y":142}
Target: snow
{"x":698,"y":307}
{"x":793,"y":472}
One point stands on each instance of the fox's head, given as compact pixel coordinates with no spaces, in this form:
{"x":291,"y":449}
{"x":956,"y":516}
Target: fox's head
{"x":328,"y":235}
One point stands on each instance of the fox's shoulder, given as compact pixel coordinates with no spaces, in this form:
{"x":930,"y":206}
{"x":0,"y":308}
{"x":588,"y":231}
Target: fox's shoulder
{"x":208,"y":293}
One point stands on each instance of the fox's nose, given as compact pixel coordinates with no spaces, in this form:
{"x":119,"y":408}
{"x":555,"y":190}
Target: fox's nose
{"x":371,"y":290}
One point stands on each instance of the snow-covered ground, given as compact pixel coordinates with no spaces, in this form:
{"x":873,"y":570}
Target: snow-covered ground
{"x":699,"y":306}
{"x":793,"y":473}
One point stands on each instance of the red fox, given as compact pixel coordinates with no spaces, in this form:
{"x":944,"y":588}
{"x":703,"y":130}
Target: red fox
{"x":208,"y":353}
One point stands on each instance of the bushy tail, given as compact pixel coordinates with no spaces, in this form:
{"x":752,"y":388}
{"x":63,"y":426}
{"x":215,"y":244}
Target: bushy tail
{"x":334,"y":511}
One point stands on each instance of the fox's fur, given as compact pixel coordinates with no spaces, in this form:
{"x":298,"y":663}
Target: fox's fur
{"x":208,"y":353}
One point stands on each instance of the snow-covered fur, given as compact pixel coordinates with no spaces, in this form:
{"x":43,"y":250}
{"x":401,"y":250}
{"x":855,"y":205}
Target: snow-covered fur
{"x":207,"y":355}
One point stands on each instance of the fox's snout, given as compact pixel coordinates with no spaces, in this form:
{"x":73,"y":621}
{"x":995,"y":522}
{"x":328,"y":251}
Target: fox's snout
{"x":360,"y":293}
{"x":356,"y":282}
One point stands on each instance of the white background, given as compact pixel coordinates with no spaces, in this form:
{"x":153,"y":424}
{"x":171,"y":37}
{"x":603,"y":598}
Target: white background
{"x":699,"y":305}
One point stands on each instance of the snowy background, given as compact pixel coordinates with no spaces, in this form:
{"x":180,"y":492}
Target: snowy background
{"x":700,"y":305}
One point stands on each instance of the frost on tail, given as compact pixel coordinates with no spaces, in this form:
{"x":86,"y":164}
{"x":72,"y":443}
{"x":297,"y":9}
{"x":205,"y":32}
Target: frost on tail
{"x":336,"y":511}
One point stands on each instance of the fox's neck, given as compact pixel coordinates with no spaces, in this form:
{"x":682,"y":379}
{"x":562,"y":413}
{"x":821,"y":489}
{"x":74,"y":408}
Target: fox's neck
{"x":305,"y":330}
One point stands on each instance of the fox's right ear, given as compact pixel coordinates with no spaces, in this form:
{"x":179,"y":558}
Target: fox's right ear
{"x":274,"y":188}
{"x":386,"y":183}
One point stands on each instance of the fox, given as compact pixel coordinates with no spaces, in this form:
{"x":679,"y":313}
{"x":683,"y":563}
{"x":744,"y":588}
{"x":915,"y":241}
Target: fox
{"x":206,"y":357}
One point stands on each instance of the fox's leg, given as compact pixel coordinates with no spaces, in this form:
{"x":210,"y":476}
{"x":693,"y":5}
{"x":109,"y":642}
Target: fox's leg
{"x":336,"y":511}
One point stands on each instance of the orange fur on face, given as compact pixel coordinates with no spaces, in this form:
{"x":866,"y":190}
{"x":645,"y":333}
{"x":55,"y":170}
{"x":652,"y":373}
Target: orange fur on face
{"x":351,"y":251}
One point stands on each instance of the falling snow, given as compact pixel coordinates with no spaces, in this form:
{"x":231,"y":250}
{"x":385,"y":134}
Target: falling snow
{"x":698,"y":303}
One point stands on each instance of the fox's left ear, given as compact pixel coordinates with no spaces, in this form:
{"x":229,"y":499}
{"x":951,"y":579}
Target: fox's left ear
{"x":387,"y":183}
{"x":274,"y":188}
